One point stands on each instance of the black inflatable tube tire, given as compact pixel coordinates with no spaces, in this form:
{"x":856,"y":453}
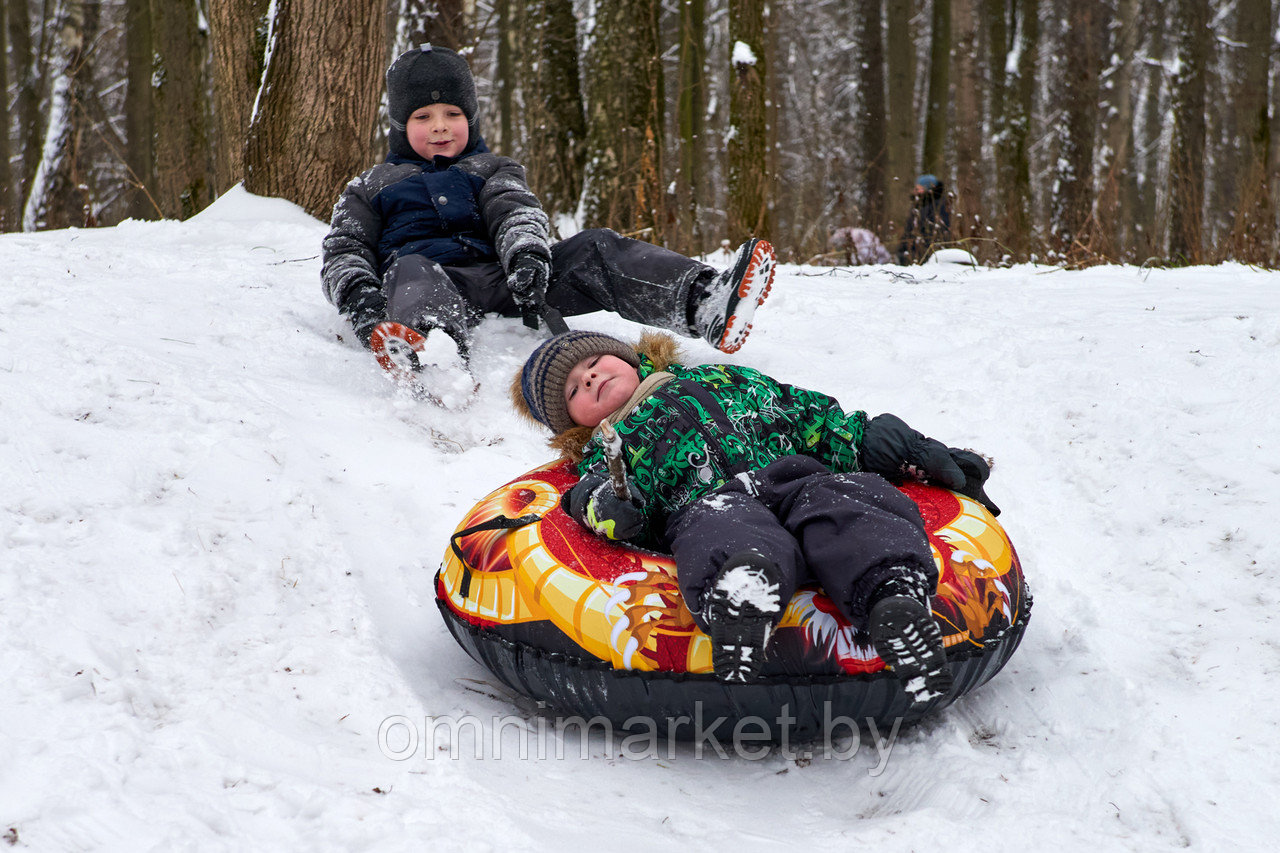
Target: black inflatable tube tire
{"x":667,"y":702}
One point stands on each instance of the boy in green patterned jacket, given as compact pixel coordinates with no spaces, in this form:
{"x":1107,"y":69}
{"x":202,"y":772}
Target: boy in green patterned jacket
{"x":755,"y":487}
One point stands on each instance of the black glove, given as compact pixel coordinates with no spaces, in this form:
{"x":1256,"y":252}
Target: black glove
{"x":895,"y":451}
{"x":365,"y":307}
{"x":976,"y":471}
{"x":593,"y":504}
{"x":527,"y":281}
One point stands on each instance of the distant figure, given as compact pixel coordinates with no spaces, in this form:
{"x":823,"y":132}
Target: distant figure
{"x":928,"y":223}
{"x":859,"y":245}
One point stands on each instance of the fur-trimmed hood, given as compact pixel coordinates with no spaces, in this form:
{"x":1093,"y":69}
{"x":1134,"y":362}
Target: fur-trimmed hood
{"x":657,"y":351}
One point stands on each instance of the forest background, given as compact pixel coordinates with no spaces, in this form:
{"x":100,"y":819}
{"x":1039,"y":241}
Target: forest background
{"x":1067,"y":131}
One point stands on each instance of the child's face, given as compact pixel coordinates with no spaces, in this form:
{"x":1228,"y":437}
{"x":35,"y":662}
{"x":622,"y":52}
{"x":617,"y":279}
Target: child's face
{"x":597,"y":386}
{"x":437,"y":130}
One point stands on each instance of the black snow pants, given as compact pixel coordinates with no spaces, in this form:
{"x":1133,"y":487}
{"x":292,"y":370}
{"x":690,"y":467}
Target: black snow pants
{"x":594,"y":270}
{"x":846,"y":532}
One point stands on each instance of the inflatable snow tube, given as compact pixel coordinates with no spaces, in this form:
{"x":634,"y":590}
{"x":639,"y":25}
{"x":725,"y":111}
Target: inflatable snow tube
{"x":597,"y":630}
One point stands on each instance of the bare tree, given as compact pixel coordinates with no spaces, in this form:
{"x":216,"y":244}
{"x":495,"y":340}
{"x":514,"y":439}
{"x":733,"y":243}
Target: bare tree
{"x":1150,"y":131}
{"x":139,"y":112}
{"x":748,"y":130}
{"x":967,"y":214}
{"x":1013,"y":134}
{"x":238,"y":30}
{"x":559,"y":135}
{"x":624,"y":97}
{"x":1186,"y":167}
{"x":938,"y":100}
{"x":26,"y":104}
{"x":1117,"y":189}
{"x":184,"y":170}
{"x":1251,"y":54}
{"x":873,"y":125}
{"x":317,"y":110}
{"x":8,"y":211}
{"x":1072,"y":197}
{"x":901,"y":137}
{"x":691,"y":106}
{"x":60,"y":191}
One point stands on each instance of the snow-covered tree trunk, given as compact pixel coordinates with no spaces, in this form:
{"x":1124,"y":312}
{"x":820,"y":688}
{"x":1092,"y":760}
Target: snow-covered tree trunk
{"x":1013,"y":172}
{"x":748,"y":144}
{"x":1150,"y":132}
{"x":1186,"y":166}
{"x":557,"y":128}
{"x":313,"y":123}
{"x":238,"y":30}
{"x":1117,"y":189}
{"x":60,"y":191}
{"x":622,"y":186}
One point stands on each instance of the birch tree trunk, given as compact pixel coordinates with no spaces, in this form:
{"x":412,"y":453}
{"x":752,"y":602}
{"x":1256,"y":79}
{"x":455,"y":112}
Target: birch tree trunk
{"x":1149,"y":128}
{"x":59,"y":196}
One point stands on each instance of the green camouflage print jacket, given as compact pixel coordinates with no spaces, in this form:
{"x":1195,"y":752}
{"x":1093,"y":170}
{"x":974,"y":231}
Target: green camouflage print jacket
{"x":715,"y":421}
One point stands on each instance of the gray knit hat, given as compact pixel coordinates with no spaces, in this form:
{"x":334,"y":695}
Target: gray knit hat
{"x":545,"y":372}
{"x":428,"y":75}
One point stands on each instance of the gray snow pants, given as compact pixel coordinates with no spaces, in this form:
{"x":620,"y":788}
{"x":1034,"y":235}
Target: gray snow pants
{"x":847,"y":532}
{"x":594,"y":270}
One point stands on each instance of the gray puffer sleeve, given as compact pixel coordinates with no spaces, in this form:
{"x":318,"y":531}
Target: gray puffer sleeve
{"x":517,"y":223}
{"x":350,"y":249}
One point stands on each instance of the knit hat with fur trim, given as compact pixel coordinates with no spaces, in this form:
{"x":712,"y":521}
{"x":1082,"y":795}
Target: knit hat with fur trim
{"x":545,"y":372}
{"x":428,"y":75}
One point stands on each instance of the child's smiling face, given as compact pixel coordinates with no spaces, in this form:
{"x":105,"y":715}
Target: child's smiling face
{"x":597,"y":386}
{"x":437,"y":130}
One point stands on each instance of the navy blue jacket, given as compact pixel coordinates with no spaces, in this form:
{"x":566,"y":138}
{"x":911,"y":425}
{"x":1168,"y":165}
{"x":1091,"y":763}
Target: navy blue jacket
{"x":476,"y":208}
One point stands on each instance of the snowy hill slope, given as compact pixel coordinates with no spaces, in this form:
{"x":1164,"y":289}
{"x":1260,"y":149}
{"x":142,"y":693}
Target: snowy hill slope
{"x":219,"y":526}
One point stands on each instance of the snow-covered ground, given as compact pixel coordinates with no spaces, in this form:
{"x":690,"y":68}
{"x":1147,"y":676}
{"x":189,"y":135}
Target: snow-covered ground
{"x":220,"y":524}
